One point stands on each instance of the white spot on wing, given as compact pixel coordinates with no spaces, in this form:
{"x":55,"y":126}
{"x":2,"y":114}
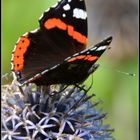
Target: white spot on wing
{"x":37,"y":75}
{"x":43,"y":14}
{"x":12,"y":65}
{"x":34,"y":31}
{"x":31,"y":79}
{"x":79,"y":13}
{"x":101,"y":48}
{"x":94,"y":48}
{"x":47,"y":10}
{"x":68,"y":58}
{"x":44,"y":71}
{"x":54,"y":67}
{"x":41,"y":17}
{"x":66,"y":7}
{"x":25,"y":34}
{"x":64,"y":15}
{"x":83,"y":51}
{"x":54,"y":5}
{"x":14,"y":76}
{"x":76,"y":54}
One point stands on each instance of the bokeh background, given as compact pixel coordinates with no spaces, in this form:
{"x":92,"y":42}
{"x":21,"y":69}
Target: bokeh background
{"x":119,"y":18}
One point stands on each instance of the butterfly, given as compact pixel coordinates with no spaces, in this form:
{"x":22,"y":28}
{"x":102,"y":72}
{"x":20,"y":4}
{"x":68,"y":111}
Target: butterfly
{"x":56,"y":53}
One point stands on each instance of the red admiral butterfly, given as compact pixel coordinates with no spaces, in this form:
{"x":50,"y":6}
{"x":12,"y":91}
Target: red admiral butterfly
{"x":55,"y":52}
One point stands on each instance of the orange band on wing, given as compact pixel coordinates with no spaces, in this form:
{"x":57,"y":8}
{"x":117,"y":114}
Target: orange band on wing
{"x":52,"y":23}
{"x":91,"y":58}
{"x":57,"y":23}
{"x":84,"y":57}
{"x":18,"y":54}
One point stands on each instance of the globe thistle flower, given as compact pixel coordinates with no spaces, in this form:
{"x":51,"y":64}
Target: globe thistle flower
{"x":51,"y":113}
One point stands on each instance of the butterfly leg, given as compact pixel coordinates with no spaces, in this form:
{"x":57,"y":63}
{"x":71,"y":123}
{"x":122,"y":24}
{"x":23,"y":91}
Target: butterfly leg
{"x":91,"y":70}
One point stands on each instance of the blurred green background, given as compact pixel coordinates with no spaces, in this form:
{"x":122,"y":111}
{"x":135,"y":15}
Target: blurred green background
{"x":119,"y":92}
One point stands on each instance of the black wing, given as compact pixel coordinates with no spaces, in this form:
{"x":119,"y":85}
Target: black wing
{"x":74,"y":69}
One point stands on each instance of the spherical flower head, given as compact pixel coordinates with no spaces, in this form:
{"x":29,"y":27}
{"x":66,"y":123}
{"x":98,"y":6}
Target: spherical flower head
{"x":51,"y":113}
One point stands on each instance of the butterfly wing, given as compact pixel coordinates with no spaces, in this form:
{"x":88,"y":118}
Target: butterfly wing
{"x":74,"y":69}
{"x":71,"y":13}
{"x":62,"y":33}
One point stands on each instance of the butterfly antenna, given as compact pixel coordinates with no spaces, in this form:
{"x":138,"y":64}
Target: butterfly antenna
{"x":90,"y":83}
{"x":126,"y":73}
{"x":119,"y":71}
